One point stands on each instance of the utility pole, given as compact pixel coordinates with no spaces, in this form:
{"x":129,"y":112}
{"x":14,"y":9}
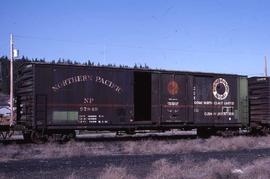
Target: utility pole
{"x":265,"y":66}
{"x":11,"y":80}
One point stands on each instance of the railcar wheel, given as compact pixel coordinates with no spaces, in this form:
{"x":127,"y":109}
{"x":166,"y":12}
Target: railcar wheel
{"x":66,"y":137}
{"x":262,"y":131}
{"x":72,"y":135}
{"x":205,"y":132}
{"x":27,"y":136}
{"x":37,"y":138}
{"x":6,"y":134}
{"x":130,"y":132}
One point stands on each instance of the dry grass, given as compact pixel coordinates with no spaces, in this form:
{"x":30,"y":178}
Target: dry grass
{"x":188,"y":169}
{"x":4,"y":176}
{"x":115,"y":172}
{"x":54,"y":150}
{"x":212,"y":169}
{"x":257,"y":169}
{"x":197,"y":145}
{"x":164,"y":169}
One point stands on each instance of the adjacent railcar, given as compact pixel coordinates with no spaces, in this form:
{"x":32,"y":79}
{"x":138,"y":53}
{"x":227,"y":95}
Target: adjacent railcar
{"x":259,"y":102}
{"x":62,"y":98}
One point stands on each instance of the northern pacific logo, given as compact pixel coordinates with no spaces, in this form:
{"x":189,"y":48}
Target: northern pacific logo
{"x":86,"y":78}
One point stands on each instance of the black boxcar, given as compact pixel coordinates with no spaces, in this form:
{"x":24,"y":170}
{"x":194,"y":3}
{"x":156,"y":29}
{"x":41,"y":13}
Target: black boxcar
{"x":56,"y":98}
{"x":199,"y":99}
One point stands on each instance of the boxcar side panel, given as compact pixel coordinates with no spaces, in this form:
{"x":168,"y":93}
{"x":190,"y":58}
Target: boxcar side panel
{"x":215,"y":99}
{"x":85,"y":96}
{"x":43,"y":82}
{"x":243,"y":114}
{"x":203,"y":99}
{"x":259,"y":101}
{"x":155,"y":100}
{"x":175,"y":99}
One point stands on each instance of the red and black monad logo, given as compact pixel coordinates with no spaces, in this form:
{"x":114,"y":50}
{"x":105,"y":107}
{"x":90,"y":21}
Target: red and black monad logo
{"x":173,"y":87}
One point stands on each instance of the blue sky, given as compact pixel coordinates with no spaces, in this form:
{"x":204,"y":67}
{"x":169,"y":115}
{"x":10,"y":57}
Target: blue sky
{"x":225,"y":36}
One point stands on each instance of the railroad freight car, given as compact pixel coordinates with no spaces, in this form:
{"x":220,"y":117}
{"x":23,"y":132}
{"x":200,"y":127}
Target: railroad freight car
{"x":259,"y":102}
{"x":59,"y":99}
